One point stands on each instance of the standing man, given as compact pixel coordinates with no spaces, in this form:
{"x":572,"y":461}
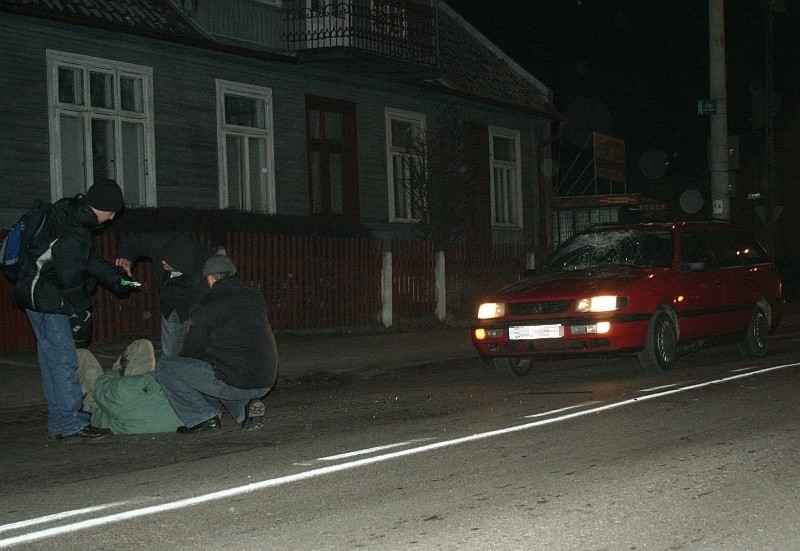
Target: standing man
{"x":178,"y":273}
{"x":53,"y":288}
{"x":229,"y":357}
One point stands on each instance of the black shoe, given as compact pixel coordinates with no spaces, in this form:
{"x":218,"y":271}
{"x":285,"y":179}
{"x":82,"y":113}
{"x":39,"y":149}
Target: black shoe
{"x":208,"y":424}
{"x":90,"y":431}
{"x":254,"y":417}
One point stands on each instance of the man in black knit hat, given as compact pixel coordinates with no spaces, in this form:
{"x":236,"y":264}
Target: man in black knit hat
{"x":53,"y":288}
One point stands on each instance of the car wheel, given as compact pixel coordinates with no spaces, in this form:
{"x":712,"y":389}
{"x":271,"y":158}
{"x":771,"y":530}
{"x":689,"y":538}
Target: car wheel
{"x":661,"y":345}
{"x":516,"y":367}
{"x":755,"y":341}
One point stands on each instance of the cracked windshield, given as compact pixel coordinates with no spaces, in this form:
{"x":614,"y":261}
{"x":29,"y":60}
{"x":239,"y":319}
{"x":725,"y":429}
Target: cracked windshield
{"x":614,"y":248}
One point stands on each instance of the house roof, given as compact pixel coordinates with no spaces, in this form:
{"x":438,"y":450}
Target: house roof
{"x":470,"y":65}
{"x":153,"y":18}
{"x":474,"y":66}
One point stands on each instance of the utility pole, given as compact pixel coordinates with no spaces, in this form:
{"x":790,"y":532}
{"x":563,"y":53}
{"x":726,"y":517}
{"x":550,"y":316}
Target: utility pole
{"x":718,"y":142}
{"x":768,"y":189}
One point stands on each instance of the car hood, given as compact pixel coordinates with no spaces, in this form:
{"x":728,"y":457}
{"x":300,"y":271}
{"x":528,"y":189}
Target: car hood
{"x":569,"y":283}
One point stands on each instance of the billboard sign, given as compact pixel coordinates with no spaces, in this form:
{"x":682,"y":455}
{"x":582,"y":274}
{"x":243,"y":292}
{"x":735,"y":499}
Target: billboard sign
{"x":609,"y":158}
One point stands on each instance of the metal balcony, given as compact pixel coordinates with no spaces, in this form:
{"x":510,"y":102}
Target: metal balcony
{"x":373,"y":34}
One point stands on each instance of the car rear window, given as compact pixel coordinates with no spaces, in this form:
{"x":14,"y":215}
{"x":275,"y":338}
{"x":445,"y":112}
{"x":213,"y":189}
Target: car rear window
{"x":614,"y":248}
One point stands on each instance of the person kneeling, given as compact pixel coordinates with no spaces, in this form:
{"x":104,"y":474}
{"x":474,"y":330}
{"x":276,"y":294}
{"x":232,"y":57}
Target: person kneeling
{"x":229,"y":358}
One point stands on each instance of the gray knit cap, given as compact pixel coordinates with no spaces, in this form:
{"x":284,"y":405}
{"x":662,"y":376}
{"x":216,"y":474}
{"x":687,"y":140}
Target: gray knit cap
{"x":218,"y":264}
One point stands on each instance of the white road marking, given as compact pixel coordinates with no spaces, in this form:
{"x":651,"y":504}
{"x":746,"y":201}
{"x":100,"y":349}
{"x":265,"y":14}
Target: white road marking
{"x":59,"y":516}
{"x":371,"y":450}
{"x":552,"y":411}
{"x":315,"y":473}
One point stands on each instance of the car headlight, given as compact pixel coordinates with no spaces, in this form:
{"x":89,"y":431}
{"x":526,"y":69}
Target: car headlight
{"x":489,"y":310}
{"x":604,"y":303}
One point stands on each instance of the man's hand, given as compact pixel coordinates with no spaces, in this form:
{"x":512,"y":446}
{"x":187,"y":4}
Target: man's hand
{"x":125,"y":264}
{"x":116,"y":284}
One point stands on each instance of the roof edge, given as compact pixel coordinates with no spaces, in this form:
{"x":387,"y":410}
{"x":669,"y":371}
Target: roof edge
{"x":495,"y":50}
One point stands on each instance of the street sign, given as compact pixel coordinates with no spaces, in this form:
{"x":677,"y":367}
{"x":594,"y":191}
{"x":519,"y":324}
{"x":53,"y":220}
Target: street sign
{"x":706,"y":107}
{"x":762,"y":212}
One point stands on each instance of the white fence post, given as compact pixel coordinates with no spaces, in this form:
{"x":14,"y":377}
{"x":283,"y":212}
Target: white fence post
{"x":530,"y":261}
{"x":441,"y":287}
{"x":386,"y":289}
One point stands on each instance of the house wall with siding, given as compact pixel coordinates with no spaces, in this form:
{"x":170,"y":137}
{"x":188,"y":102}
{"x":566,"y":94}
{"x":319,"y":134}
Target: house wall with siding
{"x":185,"y":120}
{"x":223,"y":18}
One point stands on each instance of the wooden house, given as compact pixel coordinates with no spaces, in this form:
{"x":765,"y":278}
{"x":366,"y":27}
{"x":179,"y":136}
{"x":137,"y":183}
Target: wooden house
{"x":296,"y":107}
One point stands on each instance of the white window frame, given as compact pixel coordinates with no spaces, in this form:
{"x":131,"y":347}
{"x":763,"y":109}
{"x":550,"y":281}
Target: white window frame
{"x":511,"y":216}
{"x":392,"y":152}
{"x":224,"y":130}
{"x":87,"y":64}
{"x":276,"y":3}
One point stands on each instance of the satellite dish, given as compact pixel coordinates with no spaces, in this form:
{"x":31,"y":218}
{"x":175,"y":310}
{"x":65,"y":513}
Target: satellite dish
{"x":653,"y":164}
{"x":691,"y":201}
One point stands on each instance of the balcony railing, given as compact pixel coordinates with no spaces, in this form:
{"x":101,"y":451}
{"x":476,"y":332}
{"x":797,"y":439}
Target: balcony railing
{"x":394,"y":28}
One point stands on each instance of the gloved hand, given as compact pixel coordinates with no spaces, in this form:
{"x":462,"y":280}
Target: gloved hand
{"x":81,"y":325}
{"x":116,"y":285}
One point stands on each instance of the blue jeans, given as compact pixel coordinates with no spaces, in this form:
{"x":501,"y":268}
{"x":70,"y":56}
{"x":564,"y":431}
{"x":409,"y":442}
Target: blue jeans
{"x":58,"y":363}
{"x":196,"y":394}
{"x":173,"y":332}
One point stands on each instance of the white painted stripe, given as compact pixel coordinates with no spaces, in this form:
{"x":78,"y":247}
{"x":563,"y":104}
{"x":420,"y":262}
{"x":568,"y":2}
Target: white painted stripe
{"x":371,"y":450}
{"x":59,"y":516}
{"x":652,"y":389}
{"x":560,"y":410}
{"x":741,"y":369}
{"x":314,"y":473}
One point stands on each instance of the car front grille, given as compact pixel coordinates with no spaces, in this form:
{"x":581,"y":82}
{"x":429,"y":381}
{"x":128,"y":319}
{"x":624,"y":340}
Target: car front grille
{"x":541,"y":307}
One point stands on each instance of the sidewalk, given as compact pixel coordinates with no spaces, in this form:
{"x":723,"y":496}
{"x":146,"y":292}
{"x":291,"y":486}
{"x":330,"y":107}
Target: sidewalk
{"x":300,"y":356}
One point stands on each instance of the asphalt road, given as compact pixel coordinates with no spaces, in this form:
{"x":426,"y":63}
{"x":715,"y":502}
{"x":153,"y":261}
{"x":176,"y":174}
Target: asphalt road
{"x":580,"y":455}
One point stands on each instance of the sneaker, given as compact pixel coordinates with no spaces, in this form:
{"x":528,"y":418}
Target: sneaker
{"x":90,"y":431}
{"x":254,"y":417}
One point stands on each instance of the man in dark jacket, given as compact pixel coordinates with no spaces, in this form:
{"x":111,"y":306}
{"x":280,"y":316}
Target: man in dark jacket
{"x":178,"y":272}
{"x":53,"y":287}
{"x":229,"y":357}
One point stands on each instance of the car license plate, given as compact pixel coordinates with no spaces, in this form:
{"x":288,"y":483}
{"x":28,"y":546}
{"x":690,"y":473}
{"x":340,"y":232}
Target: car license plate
{"x":521,"y":332}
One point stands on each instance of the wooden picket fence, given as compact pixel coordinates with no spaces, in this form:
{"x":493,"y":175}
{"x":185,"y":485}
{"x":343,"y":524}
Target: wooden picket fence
{"x":472,"y":275}
{"x":310,"y":283}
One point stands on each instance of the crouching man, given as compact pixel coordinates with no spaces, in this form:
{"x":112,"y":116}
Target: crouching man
{"x":228,"y":359}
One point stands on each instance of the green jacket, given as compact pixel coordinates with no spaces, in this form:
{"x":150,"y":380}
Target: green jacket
{"x":133,"y":404}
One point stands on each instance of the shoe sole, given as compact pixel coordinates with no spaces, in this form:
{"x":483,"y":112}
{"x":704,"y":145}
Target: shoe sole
{"x":255,"y":415}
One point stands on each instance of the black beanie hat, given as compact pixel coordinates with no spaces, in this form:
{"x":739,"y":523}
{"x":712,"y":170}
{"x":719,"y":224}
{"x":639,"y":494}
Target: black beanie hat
{"x":105,"y":195}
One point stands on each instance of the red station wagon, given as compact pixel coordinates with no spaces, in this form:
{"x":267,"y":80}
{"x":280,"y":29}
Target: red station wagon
{"x":655,"y":290}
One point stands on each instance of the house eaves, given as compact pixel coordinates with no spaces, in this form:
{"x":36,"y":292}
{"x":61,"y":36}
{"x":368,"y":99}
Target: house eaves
{"x":150,"y":18}
{"x":156,"y":19}
{"x":472,"y":66}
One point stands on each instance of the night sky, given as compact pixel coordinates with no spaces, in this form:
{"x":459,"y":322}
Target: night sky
{"x":636,"y":70}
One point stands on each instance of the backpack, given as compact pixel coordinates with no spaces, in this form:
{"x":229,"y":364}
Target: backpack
{"x":17,"y":244}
